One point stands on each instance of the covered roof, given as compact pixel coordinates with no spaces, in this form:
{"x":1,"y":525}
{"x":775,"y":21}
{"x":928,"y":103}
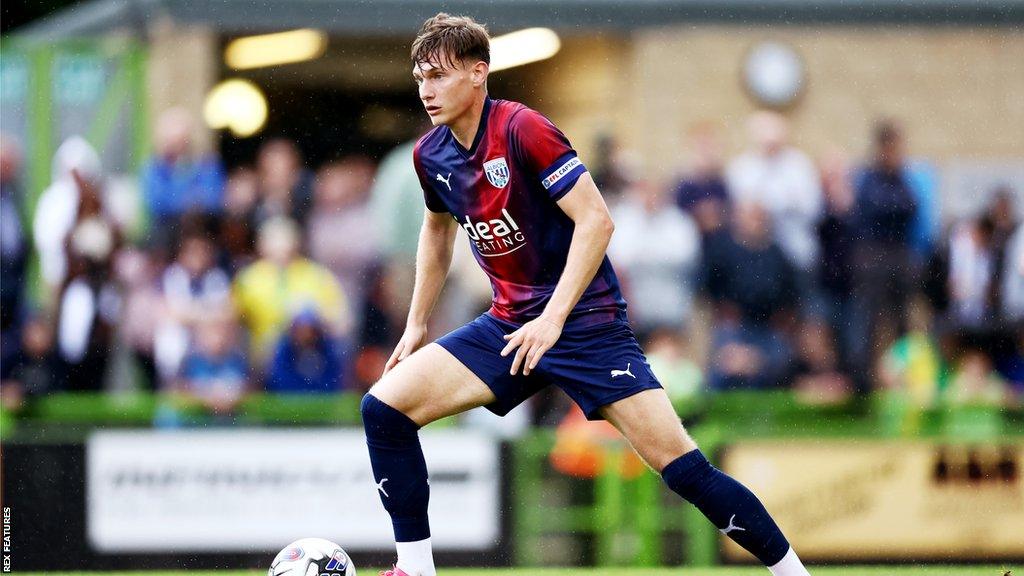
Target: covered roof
{"x":386,"y":17}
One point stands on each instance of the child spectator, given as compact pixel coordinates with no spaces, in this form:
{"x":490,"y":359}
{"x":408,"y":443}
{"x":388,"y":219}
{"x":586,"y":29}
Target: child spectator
{"x":213,"y":376}
{"x":307,"y":359}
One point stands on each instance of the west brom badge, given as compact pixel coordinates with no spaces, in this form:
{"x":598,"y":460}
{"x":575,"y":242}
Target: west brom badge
{"x":497,"y":172}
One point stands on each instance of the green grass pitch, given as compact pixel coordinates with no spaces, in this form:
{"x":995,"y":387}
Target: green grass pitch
{"x":990,"y":570}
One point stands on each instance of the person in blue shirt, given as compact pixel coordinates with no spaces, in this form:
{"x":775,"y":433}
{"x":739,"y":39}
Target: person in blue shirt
{"x":885,"y":216}
{"x":307,"y":359}
{"x":175,"y":181}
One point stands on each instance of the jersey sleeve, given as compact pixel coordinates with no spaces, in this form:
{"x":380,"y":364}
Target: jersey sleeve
{"x":430,"y":196}
{"x":545,"y":151}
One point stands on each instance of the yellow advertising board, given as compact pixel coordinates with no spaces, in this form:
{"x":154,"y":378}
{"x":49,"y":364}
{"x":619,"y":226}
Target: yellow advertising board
{"x":879,"y":500}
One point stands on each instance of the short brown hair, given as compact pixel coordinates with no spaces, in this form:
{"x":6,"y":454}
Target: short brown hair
{"x":445,"y":39}
{"x":887,"y":132}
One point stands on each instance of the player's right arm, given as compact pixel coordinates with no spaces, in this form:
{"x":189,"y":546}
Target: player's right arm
{"x":433,"y":259}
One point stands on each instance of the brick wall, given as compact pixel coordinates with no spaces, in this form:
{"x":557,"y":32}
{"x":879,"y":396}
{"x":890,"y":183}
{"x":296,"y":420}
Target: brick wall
{"x":958,"y":91}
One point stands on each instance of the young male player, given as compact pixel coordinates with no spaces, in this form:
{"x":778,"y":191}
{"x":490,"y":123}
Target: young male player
{"x":539,"y":228}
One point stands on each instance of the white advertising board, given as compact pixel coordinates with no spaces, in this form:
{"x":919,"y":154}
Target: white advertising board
{"x":252,"y":490}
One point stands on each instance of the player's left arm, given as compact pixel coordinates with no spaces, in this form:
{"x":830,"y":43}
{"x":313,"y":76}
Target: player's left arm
{"x":591,"y":235}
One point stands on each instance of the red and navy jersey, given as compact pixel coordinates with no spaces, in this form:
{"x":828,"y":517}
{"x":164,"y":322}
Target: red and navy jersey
{"x":503,"y":193}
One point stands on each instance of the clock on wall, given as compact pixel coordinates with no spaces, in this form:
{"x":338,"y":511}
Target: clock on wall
{"x":773,"y":74}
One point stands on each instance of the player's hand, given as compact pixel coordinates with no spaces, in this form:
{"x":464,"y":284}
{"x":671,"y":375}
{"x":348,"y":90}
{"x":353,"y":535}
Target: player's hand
{"x":532,"y":339}
{"x":411,"y":340}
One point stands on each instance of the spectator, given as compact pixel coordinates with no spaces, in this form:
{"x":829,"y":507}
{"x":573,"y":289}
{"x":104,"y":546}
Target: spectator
{"x":176,"y":180}
{"x":817,"y":375}
{"x":282,"y":282}
{"x":666,"y":351}
{"x":702,"y":192}
{"x":884,"y":264}
{"x":14,"y":254}
{"x":972,"y":270}
{"x":1011,"y":366}
{"x":656,"y":249}
{"x":342,"y":235}
{"x":32,"y":373}
{"x":1012,"y":299}
{"x":307,"y":358}
{"x":59,"y":205}
{"x":285,"y":185}
{"x":378,"y":331}
{"x":612,"y":169}
{"x":914,"y":364}
{"x":214,"y":374}
{"x":88,"y":306}
{"x":193,"y":287}
{"x":396,"y":206}
{"x":752,"y":284}
{"x":77,"y":240}
{"x":396,"y":203}
{"x":976,"y":382}
{"x":1002,"y":212}
{"x":144,"y":309}
{"x":784,"y":180}
{"x":237,"y":229}
{"x":837,"y":237}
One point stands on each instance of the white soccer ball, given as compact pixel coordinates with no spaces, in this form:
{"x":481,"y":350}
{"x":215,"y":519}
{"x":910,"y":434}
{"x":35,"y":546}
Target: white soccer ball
{"x":312,"y":557}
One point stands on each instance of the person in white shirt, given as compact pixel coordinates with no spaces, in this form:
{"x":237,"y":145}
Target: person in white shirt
{"x":785,"y":182}
{"x":656,"y":247}
{"x":57,"y":209}
{"x":1013,"y":278}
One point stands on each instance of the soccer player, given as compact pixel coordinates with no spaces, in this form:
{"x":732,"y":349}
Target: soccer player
{"x":539,"y":228}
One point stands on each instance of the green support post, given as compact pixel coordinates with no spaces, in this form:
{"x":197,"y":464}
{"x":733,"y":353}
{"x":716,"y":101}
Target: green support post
{"x":647,"y":515}
{"x":528,"y":513}
{"x":40,"y":153}
{"x":608,"y":507}
{"x":135,"y":61}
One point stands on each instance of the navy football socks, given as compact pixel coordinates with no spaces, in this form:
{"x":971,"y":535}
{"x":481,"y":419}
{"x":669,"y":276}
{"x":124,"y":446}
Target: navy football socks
{"x":728,"y":504}
{"x":398,"y":468}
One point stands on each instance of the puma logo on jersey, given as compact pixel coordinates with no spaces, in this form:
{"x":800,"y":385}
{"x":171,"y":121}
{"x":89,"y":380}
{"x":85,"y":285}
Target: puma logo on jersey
{"x":626,"y":372}
{"x":447,"y":181}
{"x":732,"y":526}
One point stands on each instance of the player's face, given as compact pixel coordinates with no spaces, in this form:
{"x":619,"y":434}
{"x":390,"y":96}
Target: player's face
{"x":447,"y":91}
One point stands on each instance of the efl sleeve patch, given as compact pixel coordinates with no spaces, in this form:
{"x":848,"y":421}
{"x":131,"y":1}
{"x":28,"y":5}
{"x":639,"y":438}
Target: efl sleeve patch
{"x":561,"y":176}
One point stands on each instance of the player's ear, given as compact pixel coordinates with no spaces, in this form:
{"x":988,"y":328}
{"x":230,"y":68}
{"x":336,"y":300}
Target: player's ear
{"x":480,"y":70}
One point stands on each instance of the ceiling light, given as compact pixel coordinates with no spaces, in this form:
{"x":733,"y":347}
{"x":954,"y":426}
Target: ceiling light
{"x":274,"y":49}
{"x":523,"y":47}
{"x":237,"y":105}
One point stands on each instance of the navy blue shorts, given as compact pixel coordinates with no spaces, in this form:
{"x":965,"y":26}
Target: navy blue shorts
{"x":595,"y":366}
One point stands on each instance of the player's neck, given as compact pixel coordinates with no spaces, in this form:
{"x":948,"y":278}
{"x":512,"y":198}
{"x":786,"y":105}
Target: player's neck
{"x":464,"y":127}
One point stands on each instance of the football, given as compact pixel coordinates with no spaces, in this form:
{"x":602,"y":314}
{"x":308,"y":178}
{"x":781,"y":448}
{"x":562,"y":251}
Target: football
{"x":312,"y":557}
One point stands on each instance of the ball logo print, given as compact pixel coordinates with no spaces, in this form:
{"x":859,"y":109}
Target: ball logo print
{"x":312,"y":557}
{"x":337,"y":565}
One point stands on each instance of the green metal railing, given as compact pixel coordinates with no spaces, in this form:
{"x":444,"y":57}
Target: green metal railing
{"x":627,"y":521}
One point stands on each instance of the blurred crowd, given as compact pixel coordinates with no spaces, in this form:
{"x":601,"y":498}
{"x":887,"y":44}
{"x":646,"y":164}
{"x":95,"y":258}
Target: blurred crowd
{"x":773,"y":269}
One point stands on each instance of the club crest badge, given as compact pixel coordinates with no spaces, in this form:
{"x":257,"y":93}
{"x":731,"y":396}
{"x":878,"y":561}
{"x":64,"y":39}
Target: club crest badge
{"x":497,"y":172}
